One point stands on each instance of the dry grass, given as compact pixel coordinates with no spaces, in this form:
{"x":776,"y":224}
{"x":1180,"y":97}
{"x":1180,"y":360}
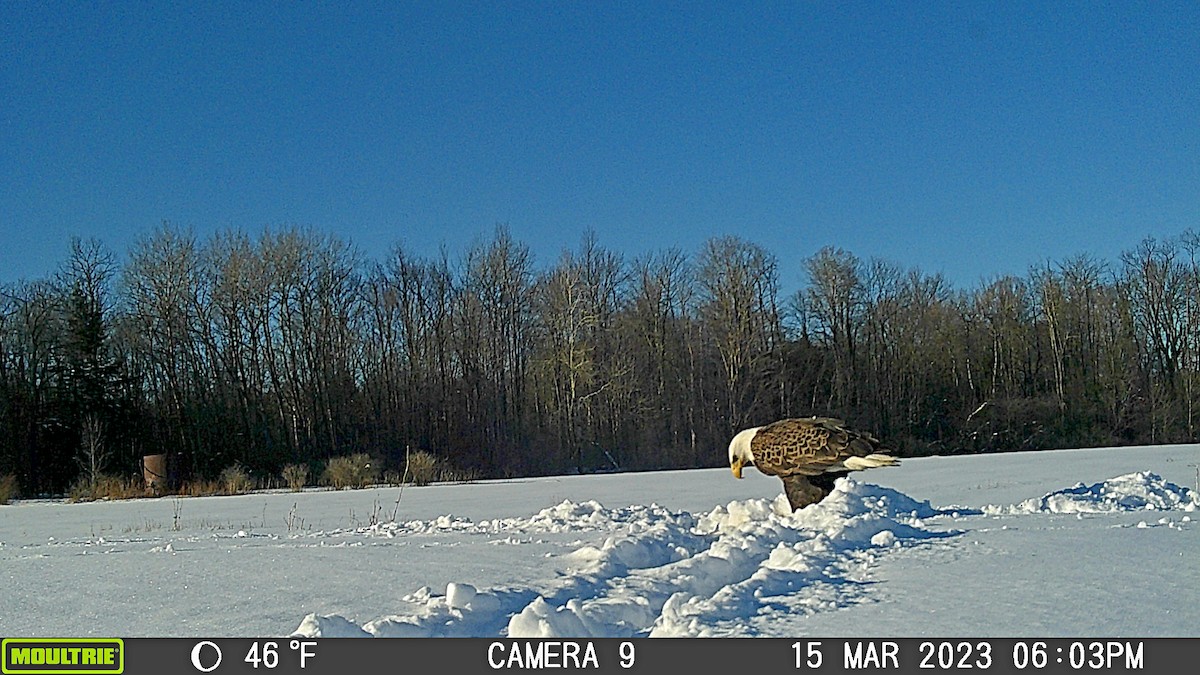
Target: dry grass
{"x":423,"y":468}
{"x":355,"y":471}
{"x":296,"y":476}
{"x":200,"y":488}
{"x":452,"y":475}
{"x":107,"y":487}
{"x":235,"y":480}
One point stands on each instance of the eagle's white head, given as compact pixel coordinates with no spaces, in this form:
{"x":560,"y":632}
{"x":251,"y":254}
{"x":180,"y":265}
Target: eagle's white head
{"x":740,"y":454}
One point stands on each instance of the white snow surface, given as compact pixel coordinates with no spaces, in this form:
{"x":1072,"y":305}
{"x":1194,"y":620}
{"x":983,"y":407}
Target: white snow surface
{"x":1050,"y":544}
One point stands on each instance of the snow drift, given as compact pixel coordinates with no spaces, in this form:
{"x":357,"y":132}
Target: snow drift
{"x":1138,"y":491}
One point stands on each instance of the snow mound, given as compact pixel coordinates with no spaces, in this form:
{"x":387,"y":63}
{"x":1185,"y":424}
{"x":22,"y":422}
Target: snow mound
{"x":1138,"y":491}
{"x":665,"y":574}
{"x":328,"y":626}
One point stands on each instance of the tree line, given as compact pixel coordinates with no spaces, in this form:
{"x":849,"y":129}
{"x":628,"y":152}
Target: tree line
{"x":292,"y":347}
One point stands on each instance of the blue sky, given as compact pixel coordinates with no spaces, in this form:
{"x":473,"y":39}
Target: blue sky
{"x":969,"y":138}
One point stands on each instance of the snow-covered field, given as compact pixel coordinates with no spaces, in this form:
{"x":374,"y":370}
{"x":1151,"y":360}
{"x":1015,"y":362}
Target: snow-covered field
{"x":1052,"y":544}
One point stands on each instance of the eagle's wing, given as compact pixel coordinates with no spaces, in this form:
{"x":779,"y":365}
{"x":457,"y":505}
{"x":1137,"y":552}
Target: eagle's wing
{"x":808,"y":446}
{"x":801,"y":491}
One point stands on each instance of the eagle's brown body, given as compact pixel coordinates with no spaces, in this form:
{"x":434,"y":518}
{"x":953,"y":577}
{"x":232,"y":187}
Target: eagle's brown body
{"x":808,"y":454}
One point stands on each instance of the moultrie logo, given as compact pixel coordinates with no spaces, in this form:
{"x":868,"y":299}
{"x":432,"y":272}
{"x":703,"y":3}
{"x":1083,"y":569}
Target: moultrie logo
{"x":42,"y":656}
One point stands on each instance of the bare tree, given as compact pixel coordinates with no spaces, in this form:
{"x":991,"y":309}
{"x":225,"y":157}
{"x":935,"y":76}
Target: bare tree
{"x":1190,"y":366}
{"x":29,"y":336}
{"x":834,"y":300}
{"x":166,"y":298}
{"x":738,"y":287}
{"x":661,"y":325}
{"x":493,"y":345}
{"x":1156,"y":283}
{"x":93,"y":454}
{"x":569,"y":351}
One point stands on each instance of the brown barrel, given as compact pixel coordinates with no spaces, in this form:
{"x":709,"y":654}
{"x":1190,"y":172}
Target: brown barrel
{"x":154,"y":472}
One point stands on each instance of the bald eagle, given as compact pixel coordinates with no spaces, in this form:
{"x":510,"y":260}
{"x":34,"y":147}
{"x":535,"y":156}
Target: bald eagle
{"x":808,"y":454}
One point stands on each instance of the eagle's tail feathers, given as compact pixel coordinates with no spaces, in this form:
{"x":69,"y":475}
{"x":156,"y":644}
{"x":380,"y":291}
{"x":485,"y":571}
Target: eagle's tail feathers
{"x":871,"y":461}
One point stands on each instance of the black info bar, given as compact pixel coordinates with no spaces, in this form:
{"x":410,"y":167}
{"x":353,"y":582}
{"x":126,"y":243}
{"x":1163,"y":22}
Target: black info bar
{"x":336,"y":656}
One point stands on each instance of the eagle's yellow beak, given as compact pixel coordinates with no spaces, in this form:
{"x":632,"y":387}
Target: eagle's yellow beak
{"x":736,"y":467}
